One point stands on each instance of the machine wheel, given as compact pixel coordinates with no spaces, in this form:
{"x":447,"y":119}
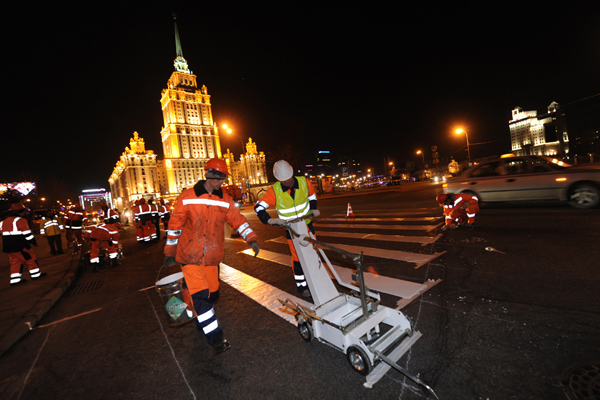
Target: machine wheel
{"x":358,"y":360}
{"x":584,"y":196}
{"x":305,"y":331}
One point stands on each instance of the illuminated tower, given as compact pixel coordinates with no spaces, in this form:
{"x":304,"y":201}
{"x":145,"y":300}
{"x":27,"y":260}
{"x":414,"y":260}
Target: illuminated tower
{"x":189,"y":135}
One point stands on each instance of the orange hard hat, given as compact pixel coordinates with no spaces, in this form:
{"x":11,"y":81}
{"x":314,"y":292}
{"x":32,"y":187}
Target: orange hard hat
{"x":216,"y":169}
{"x":17,"y":207}
{"x":441,"y":198}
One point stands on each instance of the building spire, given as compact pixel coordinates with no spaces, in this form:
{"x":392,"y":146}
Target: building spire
{"x":180,"y":62}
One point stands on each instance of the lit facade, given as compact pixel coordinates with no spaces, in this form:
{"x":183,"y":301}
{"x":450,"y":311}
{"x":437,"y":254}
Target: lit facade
{"x":250,"y":168}
{"x":533,"y":134}
{"x":135,"y":175}
{"x":189,"y":138}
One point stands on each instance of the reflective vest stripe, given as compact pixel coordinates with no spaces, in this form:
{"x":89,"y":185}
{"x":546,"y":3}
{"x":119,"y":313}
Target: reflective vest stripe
{"x":208,"y":202}
{"x":286,"y":205}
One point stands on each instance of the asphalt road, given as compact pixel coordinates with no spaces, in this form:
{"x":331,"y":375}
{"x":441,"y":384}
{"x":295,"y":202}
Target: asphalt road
{"x":521,"y":322}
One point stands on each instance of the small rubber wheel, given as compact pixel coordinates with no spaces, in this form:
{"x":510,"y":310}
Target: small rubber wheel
{"x":358,"y":360}
{"x":305,"y":331}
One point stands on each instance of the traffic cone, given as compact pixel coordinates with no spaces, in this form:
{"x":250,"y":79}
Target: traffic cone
{"x":349,"y":214}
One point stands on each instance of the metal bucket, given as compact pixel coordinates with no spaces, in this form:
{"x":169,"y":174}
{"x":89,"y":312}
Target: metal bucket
{"x":176,"y":298}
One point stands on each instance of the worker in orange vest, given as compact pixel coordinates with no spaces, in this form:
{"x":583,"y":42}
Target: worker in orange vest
{"x":459,"y":209}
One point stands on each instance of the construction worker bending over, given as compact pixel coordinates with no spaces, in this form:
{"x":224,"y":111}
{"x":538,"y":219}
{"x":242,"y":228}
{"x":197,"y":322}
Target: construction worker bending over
{"x":293,"y":197}
{"x":195,"y":240}
{"x":459,"y":209}
{"x":17,"y":239}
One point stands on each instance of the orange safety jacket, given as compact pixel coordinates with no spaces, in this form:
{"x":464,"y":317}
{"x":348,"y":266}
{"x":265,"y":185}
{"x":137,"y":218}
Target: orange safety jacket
{"x":142,"y":213}
{"x":196,"y":231}
{"x":106,"y":232}
{"x":454,"y":211}
{"x":76,"y":219}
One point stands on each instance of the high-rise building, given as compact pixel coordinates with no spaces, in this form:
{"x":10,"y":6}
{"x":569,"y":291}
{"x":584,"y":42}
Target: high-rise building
{"x":189,"y":136}
{"x":544,"y":134}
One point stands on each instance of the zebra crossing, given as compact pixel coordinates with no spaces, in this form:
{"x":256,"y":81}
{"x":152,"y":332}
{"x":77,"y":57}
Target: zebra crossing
{"x":340,"y":227}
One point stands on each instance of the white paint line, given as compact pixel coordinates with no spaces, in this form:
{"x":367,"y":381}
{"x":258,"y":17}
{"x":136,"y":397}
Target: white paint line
{"x":381,"y":219}
{"x":68,"y":318}
{"x":416,"y":258}
{"x":375,"y":282}
{"x":37,"y":356}
{"x":426,"y":228}
{"x":423,"y":240}
{"x":406,"y":301}
{"x":264,"y":294}
{"x":171,"y":348}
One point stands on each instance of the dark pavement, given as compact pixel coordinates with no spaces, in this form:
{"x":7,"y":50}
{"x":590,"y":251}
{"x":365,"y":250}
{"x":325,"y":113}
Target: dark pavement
{"x":24,"y":305}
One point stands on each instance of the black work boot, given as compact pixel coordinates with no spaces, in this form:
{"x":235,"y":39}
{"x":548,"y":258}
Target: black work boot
{"x":221,"y":345}
{"x":18,"y":283}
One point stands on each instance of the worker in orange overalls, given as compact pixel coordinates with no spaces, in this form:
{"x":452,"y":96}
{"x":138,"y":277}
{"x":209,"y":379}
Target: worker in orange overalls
{"x":107,"y":213}
{"x":17,"y":239}
{"x":293,"y":197}
{"x":195,"y":240}
{"x":74,"y":222}
{"x":143,"y":220}
{"x":459,"y":209}
{"x":105,"y":234}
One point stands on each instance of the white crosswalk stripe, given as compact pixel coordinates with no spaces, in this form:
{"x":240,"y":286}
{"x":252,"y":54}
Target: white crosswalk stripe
{"x":405,"y":290}
{"x":264,"y":294}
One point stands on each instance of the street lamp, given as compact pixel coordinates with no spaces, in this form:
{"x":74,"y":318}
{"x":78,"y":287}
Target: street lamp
{"x":230,"y":132}
{"x":458,"y":132}
{"x":423,"y":155}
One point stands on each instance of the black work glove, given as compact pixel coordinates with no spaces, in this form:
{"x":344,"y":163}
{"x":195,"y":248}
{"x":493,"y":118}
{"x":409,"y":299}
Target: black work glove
{"x":169,"y":261}
{"x":255,"y":247}
{"x":464,"y":206}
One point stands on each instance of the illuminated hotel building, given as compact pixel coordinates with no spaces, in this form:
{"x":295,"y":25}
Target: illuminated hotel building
{"x":189,"y":137}
{"x":135,"y":174}
{"x":545,"y":134}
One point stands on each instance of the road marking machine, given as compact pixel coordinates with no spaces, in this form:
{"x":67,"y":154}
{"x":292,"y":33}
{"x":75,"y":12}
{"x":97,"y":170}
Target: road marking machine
{"x":372,"y":336}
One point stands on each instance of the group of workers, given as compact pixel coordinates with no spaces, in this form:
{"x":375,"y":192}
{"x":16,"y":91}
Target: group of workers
{"x":147,"y":217}
{"x":195,"y":234}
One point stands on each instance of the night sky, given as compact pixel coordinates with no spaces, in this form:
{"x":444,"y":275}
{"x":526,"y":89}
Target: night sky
{"x":369,"y":82}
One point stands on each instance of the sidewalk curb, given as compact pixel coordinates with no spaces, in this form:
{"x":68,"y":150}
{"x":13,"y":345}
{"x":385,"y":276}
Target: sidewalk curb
{"x":35,"y":314}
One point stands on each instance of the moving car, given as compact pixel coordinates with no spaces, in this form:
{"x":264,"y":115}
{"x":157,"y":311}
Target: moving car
{"x":529,"y":178}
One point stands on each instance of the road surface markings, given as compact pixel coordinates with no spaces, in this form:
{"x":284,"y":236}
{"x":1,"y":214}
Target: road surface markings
{"x":264,"y":294}
{"x":423,"y":240}
{"x":426,"y":228}
{"x":66,"y":319}
{"x":419,"y":259}
{"x":360,"y":219}
{"x":378,"y":283}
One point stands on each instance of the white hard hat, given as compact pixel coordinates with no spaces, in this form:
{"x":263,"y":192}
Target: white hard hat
{"x":282,"y":170}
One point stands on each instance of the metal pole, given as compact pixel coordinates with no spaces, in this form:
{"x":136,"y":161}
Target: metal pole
{"x":468,"y":148}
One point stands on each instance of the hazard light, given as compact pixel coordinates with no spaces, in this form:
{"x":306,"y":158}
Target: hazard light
{"x":507,"y":155}
{"x":561,"y":179}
